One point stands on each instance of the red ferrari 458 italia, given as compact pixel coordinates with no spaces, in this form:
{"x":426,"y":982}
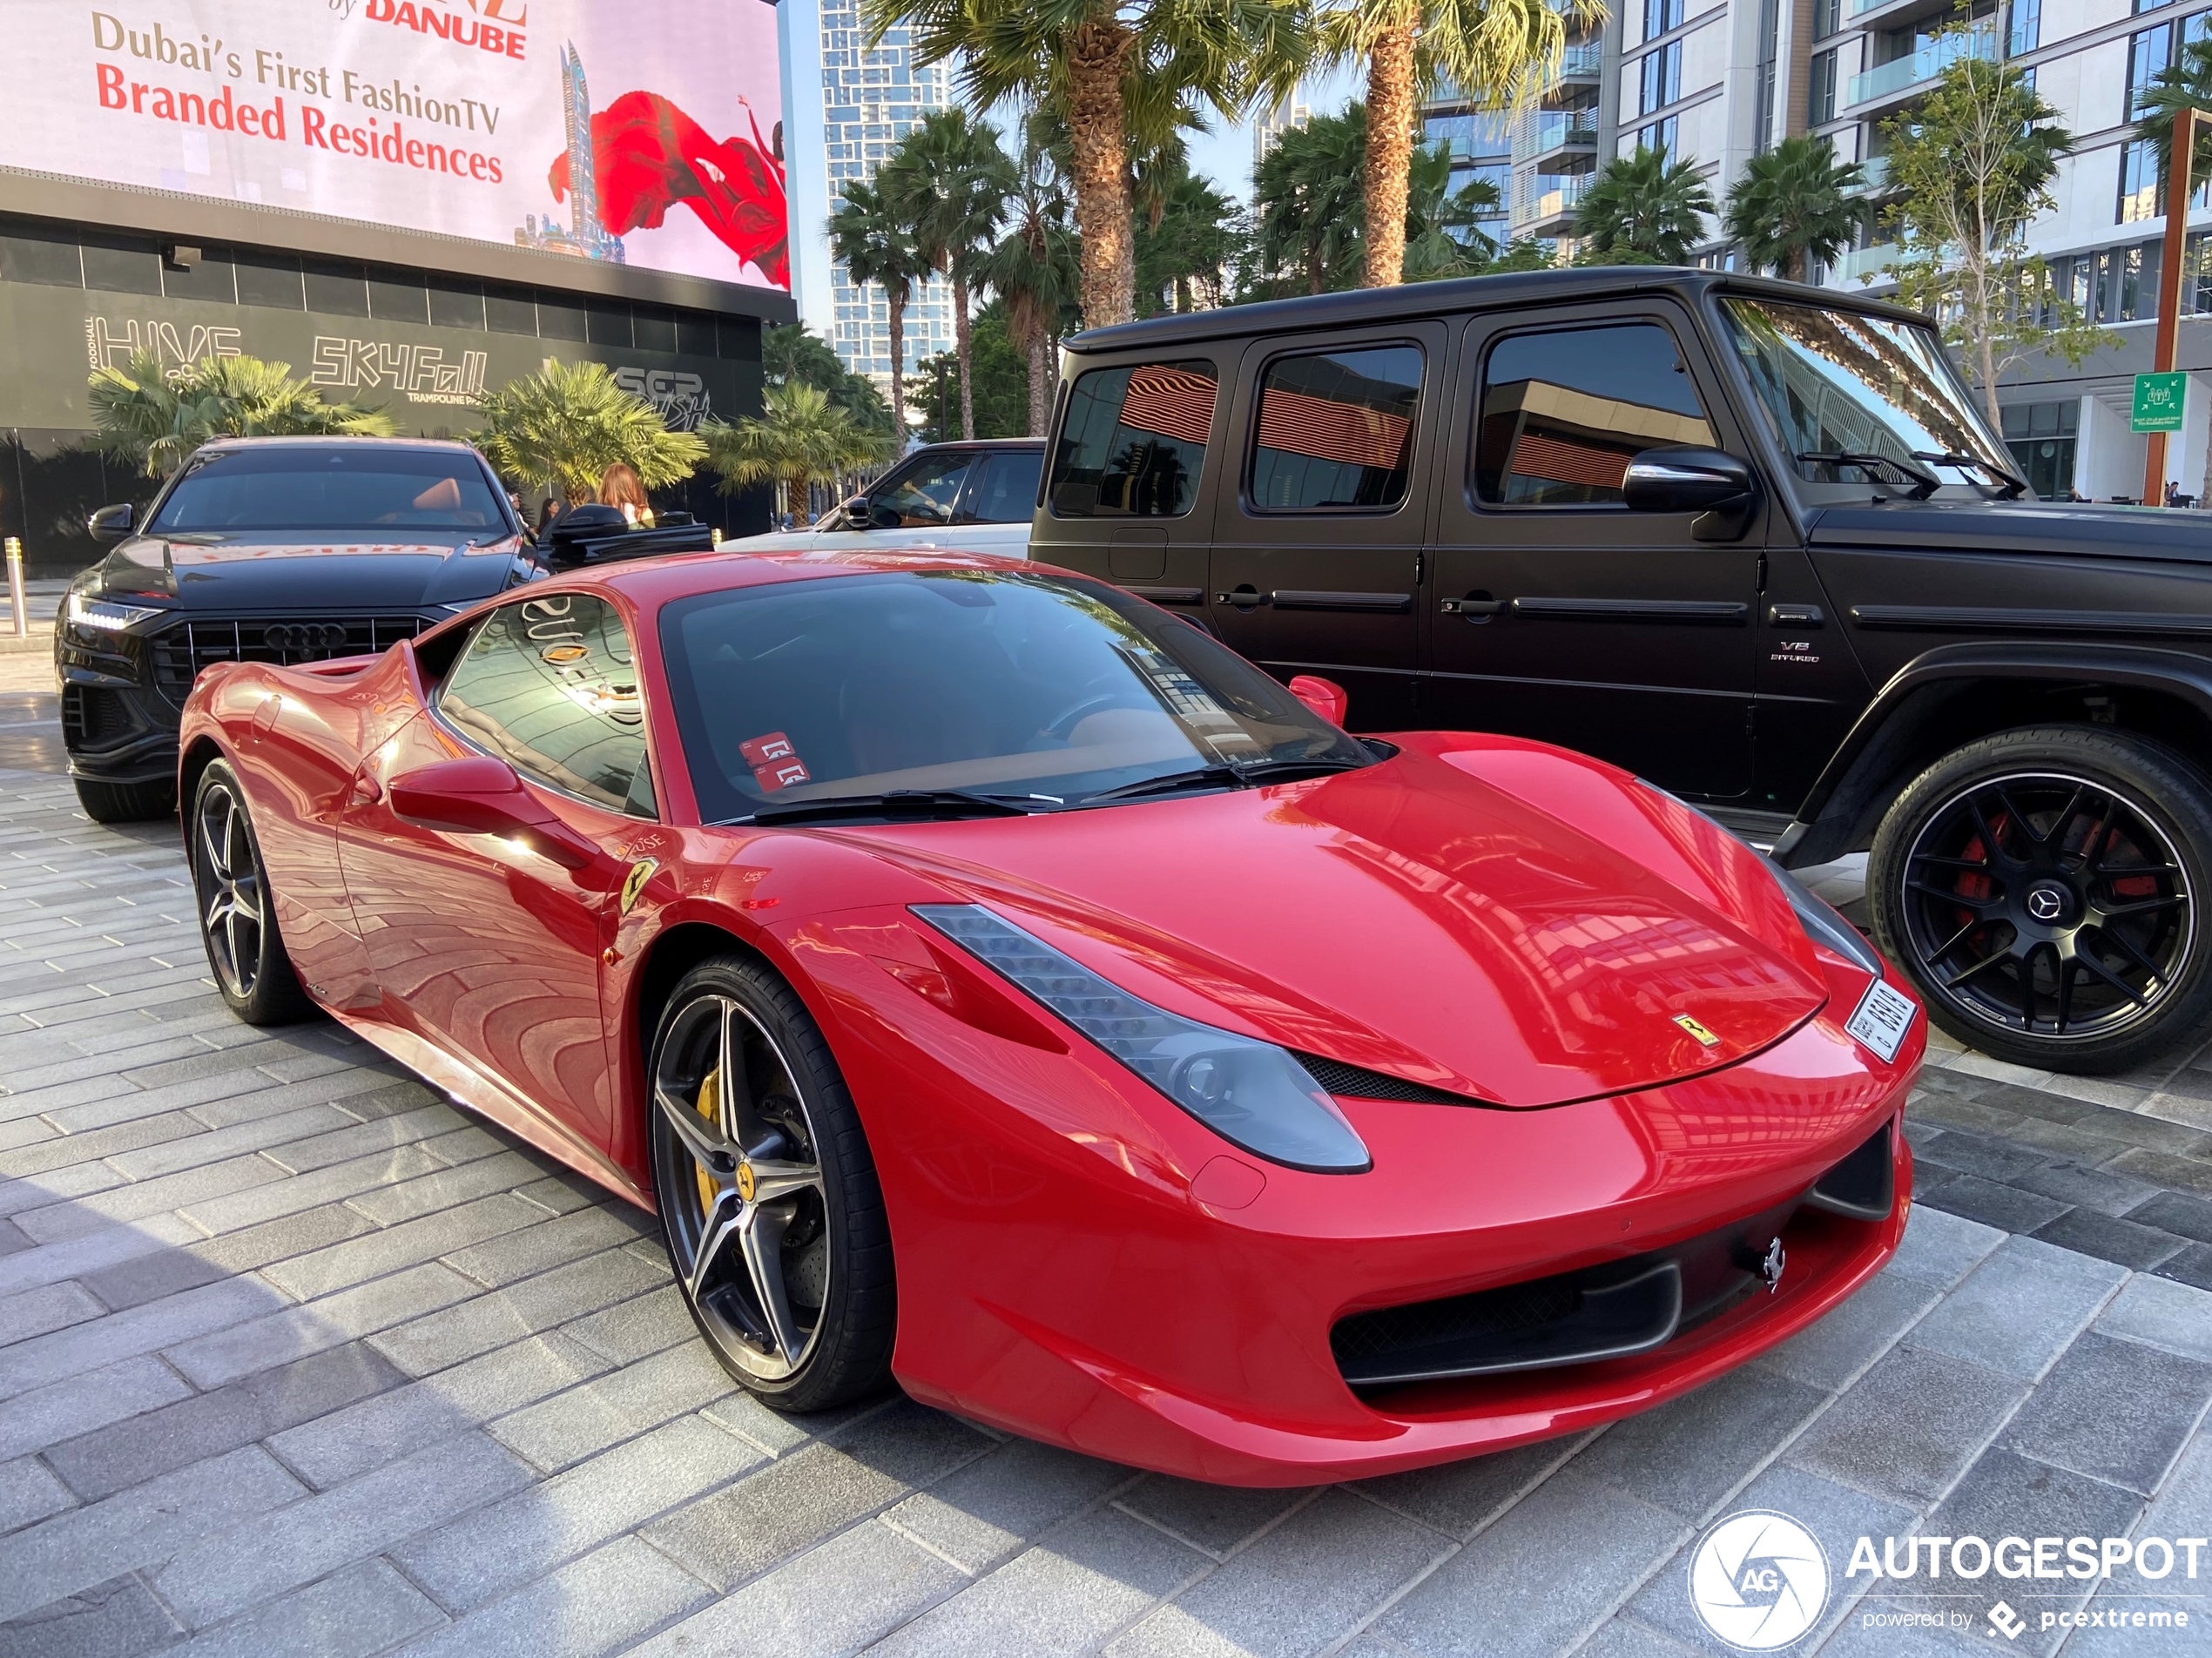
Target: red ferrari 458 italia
{"x":996,"y":983}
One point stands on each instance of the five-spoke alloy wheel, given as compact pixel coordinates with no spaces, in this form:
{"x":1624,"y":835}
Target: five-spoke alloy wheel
{"x":2044,"y":890}
{"x":774,"y":1221}
{"x":237,"y":920}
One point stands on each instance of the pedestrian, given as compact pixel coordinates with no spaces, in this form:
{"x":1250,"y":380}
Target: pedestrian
{"x":619,"y":487}
{"x":2173,"y":493}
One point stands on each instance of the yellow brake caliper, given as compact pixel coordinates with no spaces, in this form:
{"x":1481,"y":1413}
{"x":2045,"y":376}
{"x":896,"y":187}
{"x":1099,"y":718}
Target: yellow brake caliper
{"x":710,"y":1107}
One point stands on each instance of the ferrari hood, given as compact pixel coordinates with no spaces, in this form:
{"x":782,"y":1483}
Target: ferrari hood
{"x":1488,"y":917}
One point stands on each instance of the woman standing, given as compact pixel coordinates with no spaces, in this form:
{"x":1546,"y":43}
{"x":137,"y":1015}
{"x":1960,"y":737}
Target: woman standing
{"x":620,"y":487}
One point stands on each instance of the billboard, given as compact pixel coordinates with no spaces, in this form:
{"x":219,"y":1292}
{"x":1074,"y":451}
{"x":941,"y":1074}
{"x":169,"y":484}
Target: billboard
{"x":643,"y":134}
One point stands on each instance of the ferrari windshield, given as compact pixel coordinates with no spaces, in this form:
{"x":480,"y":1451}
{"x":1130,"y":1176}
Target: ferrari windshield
{"x":343,"y":487}
{"x":1012,"y":687}
{"x":1856,"y":399}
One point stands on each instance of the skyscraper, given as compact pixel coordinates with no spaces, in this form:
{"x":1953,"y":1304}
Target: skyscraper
{"x":587,"y":236}
{"x":873,"y":97}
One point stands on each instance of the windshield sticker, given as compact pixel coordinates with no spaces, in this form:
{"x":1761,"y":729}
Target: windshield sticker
{"x":775,"y":763}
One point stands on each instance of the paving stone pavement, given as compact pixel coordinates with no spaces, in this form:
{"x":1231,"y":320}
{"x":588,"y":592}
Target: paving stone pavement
{"x":296,"y":1357}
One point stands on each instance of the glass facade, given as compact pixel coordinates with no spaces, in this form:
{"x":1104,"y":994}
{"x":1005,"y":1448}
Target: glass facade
{"x":872,"y":97}
{"x":2042,"y":437}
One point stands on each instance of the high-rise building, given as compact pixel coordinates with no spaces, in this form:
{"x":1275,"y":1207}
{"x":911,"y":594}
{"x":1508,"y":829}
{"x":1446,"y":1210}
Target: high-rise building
{"x":872,"y":98}
{"x":1268,"y":129}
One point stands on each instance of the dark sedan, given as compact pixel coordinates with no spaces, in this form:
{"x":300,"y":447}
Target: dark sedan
{"x":266,"y":550}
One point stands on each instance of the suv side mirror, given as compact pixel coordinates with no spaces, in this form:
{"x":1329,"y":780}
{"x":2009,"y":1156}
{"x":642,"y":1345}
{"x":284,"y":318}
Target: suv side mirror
{"x":111,"y":525}
{"x":1688,"y":478}
{"x":568,"y":542}
{"x":481,"y":796}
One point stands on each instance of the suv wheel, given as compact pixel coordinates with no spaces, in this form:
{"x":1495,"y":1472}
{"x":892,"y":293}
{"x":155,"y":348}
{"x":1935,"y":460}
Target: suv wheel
{"x":125,"y":802}
{"x":2045,"y":889}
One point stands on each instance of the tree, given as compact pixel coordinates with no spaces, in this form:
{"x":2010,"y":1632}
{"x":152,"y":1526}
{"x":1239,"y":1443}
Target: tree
{"x":1125,"y":74}
{"x":791,"y":353}
{"x":1186,"y":240}
{"x":799,"y":438}
{"x":564,"y":427}
{"x":1974,"y":163}
{"x":1035,"y":269}
{"x":1642,"y":209}
{"x":1501,"y":53}
{"x":1793,"y":205}
{"x":948,"y":180}
{"x":1001,"y":384}
{"x":1444,"y":234}
{"x":869,"y":236}
{"x":149,"y":417}
{"x":1308,"y":205}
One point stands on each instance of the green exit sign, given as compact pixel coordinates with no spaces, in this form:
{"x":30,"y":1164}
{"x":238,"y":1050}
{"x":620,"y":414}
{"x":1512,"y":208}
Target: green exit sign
{"x":2158,"y":402}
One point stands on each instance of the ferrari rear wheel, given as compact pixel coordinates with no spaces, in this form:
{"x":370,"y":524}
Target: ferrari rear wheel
{"x":768,"y":1190}
{"x":238,"y":924}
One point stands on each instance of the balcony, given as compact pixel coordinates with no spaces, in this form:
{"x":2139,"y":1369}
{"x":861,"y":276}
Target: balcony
{"x":1865,"y":263}
{"x":1874,"y":176}
{"x":1583,"y":62}
{"x":1542,"y":198}
{"x":1546,"y":130}
{"x":1890,"y":81}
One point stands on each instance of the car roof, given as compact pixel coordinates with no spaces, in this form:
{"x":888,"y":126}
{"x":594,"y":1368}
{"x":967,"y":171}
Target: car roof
{"x":1419,"y":300}
{"x":314,"y":441}
{"x":982,"y":443}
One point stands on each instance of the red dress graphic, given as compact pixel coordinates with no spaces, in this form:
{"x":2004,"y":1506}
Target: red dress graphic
{"x":648,"y":154}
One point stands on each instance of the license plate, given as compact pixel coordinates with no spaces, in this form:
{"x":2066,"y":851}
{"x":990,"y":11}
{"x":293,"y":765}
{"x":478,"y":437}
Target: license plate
{"x":1884,"y":1017}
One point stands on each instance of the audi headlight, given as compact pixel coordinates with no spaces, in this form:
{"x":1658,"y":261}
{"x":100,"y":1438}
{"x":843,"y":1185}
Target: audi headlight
{"x":107,"y":616}
{"x":1825,"y":925}
{"x":1252,"y":1093}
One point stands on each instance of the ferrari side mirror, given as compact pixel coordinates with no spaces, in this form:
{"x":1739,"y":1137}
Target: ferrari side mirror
{"x":1324,"y":697}
{"x":484,"y":796}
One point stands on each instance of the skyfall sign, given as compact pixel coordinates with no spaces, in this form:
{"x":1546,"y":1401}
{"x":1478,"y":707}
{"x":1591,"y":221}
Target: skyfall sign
{"x":645,"y":136}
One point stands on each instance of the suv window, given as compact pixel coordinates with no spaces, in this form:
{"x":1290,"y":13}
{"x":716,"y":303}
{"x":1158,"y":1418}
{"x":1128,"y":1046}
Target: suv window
{"x":923,"y":494}
{"x":549,"y":685}
{"x":1336,"y":429}
{"x":1007,"y":494}
{"x":1133,"y":441}
{"x":1563,"y":411}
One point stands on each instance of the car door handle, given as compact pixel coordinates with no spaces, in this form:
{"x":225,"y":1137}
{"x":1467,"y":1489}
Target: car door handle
{"x":1707,"y":610}
{"x":1300,"y":599}
{"x":1474,"y":610}
{"x":1244,"y":598}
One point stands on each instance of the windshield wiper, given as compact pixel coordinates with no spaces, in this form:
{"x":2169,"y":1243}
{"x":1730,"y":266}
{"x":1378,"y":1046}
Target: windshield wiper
{"x":1924,"y":482}
{"x":901,"y":803}
{"x":1221,"y":775}
{"x":2012,"y":483}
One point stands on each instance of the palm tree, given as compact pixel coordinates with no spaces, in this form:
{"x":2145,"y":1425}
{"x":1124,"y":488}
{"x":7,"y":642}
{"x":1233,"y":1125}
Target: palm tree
{"x":1033,"y":269}
{"x":1793,"y":205}
{"x":799,"y":438}
{"x":1308,"y":205}
{"x":1643,"y":209}
{"x":1499,"y":52}
{"x":949,"y":181}
{"x":151,"y":418}
{"x":1185,"y":238}
{"x":564,"y":427}
{"x":2188,"y":85}
{"x":1125,"y":73}
{"x":870,"y":237}
{"x":1444,"y":234}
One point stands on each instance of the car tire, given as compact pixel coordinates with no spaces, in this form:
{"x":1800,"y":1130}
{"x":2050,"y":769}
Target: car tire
{"x":2045,"y":890}
{"x":793,"y":1292}
{"x":238,"y":923}
{"x":125,"y":802}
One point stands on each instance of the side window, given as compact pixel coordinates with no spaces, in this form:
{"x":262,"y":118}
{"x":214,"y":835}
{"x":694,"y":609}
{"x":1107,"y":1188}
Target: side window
{"x":550,"y":686}
{"x":1133,"y":441}
{"x":1335,"y":429}
{"x":923,"y":494}
{"x":1007,"y":491}
{"x":1563,"y":411}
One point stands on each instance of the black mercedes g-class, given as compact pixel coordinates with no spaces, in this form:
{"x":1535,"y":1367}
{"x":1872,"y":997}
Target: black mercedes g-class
{"x":1754,"y":541}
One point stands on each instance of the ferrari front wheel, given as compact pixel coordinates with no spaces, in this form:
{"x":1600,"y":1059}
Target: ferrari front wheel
{"x":238,"y":924}
{"x":767,"y":1191}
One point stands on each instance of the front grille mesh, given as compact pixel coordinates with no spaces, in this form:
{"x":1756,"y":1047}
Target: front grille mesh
{"x":181,"y":651}
{"x":1360,"y":1084}
{"x":1507,"y":1311}
{"x":92,"y":715}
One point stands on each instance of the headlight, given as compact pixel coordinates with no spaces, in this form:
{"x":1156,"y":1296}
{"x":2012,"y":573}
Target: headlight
{"x":1251,"y":1094}
{"x":1825,"y":925}
{"x":111,"y":618}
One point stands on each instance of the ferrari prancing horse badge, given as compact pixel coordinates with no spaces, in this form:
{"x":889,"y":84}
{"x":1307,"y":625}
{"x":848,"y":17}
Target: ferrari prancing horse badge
{"x":640,"y":873}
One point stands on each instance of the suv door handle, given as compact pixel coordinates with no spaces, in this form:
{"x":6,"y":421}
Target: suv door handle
{"x":1475,"y":609}
{"x":1244,"y":598}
